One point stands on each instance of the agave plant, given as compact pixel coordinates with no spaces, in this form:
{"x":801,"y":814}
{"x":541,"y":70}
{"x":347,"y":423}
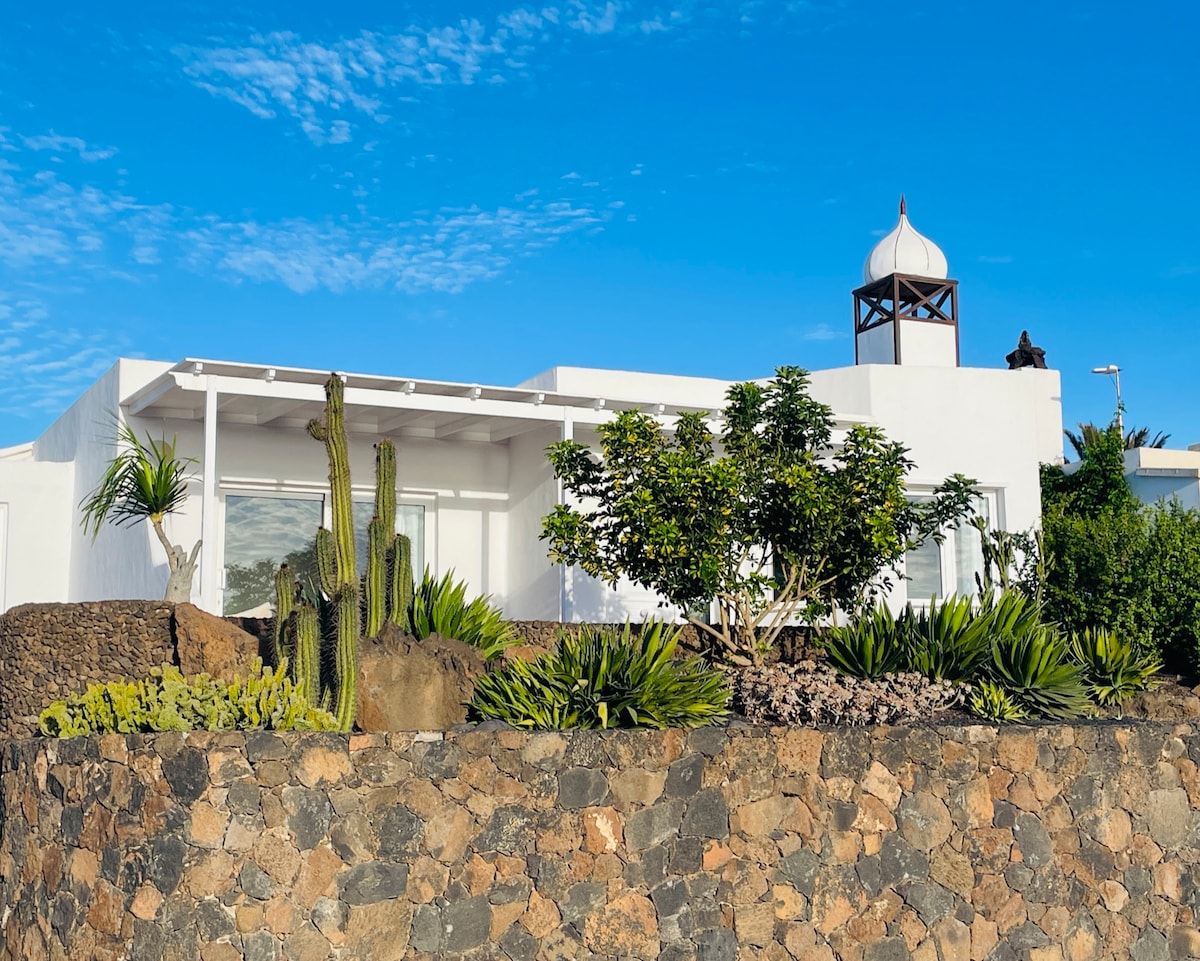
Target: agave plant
{"x":870,"y":646}
{"x":1036,"y":672}
{"x":992,"y":703}
{"x":1114,"y":669}
{"x":441,"y":607}
{"x":601,"y":678}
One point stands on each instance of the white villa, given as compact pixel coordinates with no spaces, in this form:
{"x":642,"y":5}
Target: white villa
{"x":474,"y":483}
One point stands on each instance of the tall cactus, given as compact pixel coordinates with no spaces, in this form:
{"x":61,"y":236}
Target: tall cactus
{"x":386,"y":591}
{"x":285,"y":599}
{"x":381,"y":533}
{"x":339,"y":572}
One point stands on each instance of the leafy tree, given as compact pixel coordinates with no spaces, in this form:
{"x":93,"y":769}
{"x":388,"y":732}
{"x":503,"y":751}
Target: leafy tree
{"x":146,"y":481}
{"x":1110,"y":562}
{"x":782,"y":522}
{"x":1134,"y":438}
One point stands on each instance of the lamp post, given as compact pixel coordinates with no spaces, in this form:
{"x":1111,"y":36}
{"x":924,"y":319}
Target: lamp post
{"x":1112,"y":370}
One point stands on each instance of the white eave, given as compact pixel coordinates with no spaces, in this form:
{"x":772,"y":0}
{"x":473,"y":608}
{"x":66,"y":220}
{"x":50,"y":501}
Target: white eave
{"x":288,"y":397}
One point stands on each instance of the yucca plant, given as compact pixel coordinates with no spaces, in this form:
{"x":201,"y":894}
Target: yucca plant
{"x":441,"y":607}
{"x":992,"y":703}
{"x":601,"y":678}
{"x":146,"y":481}
{"x":1035,"y":670}
{"x":1114,"y":669}
{"x":870,"y":646}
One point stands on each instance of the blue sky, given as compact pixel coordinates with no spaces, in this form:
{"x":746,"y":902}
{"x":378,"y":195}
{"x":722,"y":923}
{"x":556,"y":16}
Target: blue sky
{"x":477,"y":192}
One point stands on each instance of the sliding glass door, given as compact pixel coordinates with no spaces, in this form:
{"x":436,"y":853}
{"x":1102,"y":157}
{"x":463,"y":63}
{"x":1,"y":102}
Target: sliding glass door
{"x":261,"y":532}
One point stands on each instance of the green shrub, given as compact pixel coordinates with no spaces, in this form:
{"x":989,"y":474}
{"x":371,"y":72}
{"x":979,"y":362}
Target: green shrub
{"x":167,"y":701}
{"x":602,"y":678}
{"x":992,"y":703}
{"x":1035,"y":671}
{"x":870,"y":646}
{"x":1114,"y":670}
{"x":441,"y":607}
{"x":808,"y":693}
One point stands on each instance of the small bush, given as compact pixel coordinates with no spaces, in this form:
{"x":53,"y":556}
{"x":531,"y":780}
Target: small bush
{"x":167,"y":701}
{"x":870,"y":646}
{"x":1114,"y":670}
{"x":602,"y":679}
{"x":1035,"y":671}
{"x":808,"y":693}
{"x":441,"y":607}
{"x":990,"y":702}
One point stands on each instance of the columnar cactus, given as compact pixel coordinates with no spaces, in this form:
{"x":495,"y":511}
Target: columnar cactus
{"x":335,"y":552}
{"x":285,"y":600}
{"x":386,"y":591}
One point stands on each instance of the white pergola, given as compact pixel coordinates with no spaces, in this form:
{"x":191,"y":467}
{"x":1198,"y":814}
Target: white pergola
{"x":283,"y":398}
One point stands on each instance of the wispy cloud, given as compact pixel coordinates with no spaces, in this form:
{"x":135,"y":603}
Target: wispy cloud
{"x":60,"y":144}
{"x":823,"y":332}
{"x":330,"y":85}
{"x":445,"y":252}
{"x":48,"y":217}
{"x":44,"y":365}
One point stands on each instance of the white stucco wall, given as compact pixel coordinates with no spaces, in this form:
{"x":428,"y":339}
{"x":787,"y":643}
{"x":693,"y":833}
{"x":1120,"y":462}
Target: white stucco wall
{"x":35,"y":531}
{"x":928,"y":345}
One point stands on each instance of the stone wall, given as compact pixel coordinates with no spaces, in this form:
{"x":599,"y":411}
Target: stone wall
{"x":1047,"y":843}
{"x":50,"y":650}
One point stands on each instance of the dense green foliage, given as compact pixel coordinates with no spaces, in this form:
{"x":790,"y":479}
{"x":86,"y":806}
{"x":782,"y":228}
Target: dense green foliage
{"x":1112,"y":563}
{"x":602,"y":678}
{"x":1135,"y":437}
{"x":441,"y":607}
{"x":782,"y":523}
{"x":167,"y":701}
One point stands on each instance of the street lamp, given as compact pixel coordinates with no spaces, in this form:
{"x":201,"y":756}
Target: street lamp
{"x":1112,"y":370}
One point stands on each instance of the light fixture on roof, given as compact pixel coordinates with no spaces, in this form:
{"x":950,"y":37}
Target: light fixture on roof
{"x":660,"y":409}
{"x":269,"y":375}
{"x":410,"y":386}
{"x":539,"y":398}
{"x":198,"y":367}
{"x":598,"y":404}
{"x":1113,"y":371}
{"x":476,"y":392}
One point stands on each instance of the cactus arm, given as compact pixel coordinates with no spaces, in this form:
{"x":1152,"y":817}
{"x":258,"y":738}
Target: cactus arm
{"x":402,"y":582}
{"x":304,"y":627}
{"x":285,"y":598}
{"x":378,"y":544}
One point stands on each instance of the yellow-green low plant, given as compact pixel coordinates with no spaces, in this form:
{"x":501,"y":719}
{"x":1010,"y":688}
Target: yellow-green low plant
{"x":265,"y":699}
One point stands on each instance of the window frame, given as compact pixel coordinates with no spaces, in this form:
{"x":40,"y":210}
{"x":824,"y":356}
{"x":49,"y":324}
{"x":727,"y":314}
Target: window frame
{"x":994,"y":500}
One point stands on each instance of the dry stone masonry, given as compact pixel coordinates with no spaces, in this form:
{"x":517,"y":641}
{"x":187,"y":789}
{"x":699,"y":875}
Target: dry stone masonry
{"x":1052,"y":843}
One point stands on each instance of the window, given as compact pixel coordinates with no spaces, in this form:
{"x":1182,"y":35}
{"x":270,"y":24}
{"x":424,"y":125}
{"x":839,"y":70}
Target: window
{"x":935,"y":570}
{"x":410,"y":521}
{"x":261,"y":532}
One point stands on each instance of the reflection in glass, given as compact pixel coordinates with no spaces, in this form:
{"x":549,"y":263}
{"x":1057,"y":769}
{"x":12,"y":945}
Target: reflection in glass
{"x":968,"y":550}
{"x":260,"y":534}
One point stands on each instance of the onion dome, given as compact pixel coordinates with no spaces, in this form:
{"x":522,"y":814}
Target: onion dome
{"x":904,"y":251}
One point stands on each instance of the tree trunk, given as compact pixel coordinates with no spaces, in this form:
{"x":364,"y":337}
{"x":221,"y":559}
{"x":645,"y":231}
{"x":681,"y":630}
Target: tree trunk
{"x":181,"y":564}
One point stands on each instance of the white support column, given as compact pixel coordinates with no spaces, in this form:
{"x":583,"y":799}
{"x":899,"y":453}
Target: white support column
{"x":210,"y":574}
{"x":565,"y":573}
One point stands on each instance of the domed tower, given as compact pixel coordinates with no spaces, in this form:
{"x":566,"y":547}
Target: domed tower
{"x":906,"y":311}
